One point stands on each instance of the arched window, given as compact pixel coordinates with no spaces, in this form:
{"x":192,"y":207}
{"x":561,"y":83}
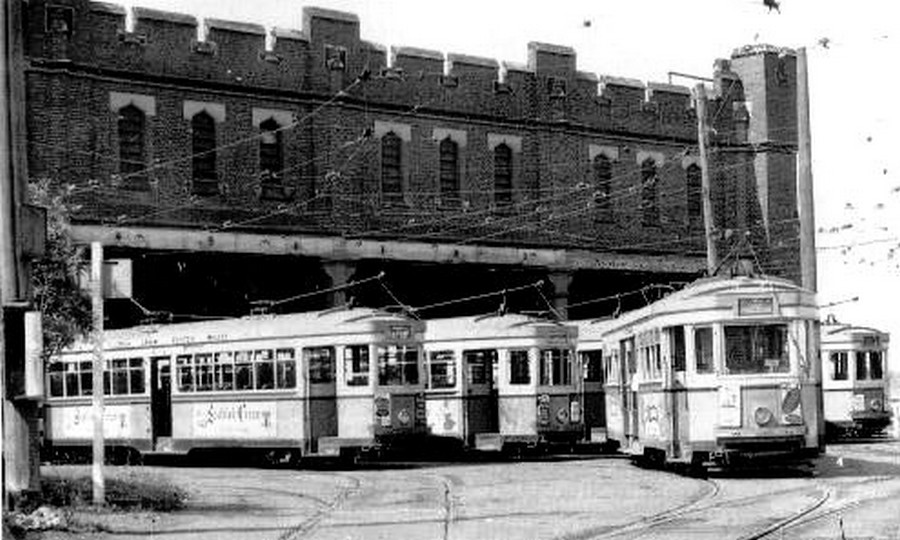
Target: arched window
{"x":503,"y":175}
{"x":271,"y":160}
{"x":132,"y":164}
{"x":694,"y":189}
{"x":649,"y":204}
{"x":602,"y":187}
{"x":449,"y":171}
{"x":391,"y":168}
{"x":203,"y":129}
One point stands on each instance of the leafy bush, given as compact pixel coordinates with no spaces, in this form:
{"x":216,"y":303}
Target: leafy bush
{"x":146,"y":493}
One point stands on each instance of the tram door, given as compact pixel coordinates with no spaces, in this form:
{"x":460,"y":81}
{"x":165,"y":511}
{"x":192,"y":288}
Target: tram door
{"x":321,"y":394}
{"x":161,"y":397}
{"x":481,"y":392}
{"x":629,"y":390}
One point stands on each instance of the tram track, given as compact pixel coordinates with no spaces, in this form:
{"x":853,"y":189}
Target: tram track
{"x":811,"y":516}
{"x":326,"y":508}
{"x":709,"y":493}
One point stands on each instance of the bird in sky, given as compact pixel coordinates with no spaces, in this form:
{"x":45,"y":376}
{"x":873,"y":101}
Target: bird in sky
{"x":825,"y":42}
{"x":772,"y":4}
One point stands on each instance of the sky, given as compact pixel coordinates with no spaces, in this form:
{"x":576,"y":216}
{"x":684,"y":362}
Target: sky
{"x":852,"y":50}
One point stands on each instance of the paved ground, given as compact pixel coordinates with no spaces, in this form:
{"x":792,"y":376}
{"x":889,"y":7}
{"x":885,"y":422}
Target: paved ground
{"x":856,"y":489}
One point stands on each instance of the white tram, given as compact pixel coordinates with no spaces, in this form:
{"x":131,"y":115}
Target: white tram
{"x":855,"y":384}
{"x":502,"y":382}
{"x":719,"y":372}
{"x":321,"y":383}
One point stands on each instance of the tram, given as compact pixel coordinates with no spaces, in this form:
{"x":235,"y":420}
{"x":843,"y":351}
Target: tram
{"x":325,"y":383}
{"x":503,"y":382}
{"x":720,"y":373}
{"x":855,"y":382}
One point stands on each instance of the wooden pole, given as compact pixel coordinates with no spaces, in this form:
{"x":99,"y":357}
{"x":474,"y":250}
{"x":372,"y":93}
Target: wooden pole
{"x":805,"y":202}
{"x":97,"y":398}
{"x":712,"y":258}
{"x":18,"y":466}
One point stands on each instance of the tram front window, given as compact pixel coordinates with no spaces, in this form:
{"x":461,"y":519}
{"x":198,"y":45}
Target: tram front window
{"x":398,"y":365}
{"x":756,"y":349}
{"x":875,"y":365}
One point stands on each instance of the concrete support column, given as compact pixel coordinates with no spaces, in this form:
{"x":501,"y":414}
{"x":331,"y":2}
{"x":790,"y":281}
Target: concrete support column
{"x":561,"y":282}
{"x":340,"y":273}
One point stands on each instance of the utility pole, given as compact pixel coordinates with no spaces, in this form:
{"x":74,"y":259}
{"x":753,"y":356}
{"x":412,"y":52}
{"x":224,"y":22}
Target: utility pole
{"x":804,"y":178}
{"x":97,"y":394}
{"x":712,"y":258}
{"x":21,"y":467}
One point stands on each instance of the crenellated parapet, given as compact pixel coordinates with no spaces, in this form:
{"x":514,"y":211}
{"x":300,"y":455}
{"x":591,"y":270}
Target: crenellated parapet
{"x":327,"y":55}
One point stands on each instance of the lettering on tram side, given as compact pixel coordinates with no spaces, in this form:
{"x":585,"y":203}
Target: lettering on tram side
{"x":78,"y":422}
{"x":235,"y":419}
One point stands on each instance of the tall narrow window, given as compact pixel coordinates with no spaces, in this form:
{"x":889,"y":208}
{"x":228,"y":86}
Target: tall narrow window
{"x":391,"y":168}
{"x":271,"y":160}
{"x":502,"y":175}
{"x":649,"y":204}
{"x":449,"y":172}
{"x":203,"y":129}
{"x":132,"y":126}
{"x":602,"y":187}
{"x":694,"y":188}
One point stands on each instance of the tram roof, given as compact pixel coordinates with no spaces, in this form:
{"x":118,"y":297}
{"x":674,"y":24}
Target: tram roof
{"x":835,"y":332}
{"x":490,"y":325}
{"x":331,"y":321}
{"x":693,"y":295}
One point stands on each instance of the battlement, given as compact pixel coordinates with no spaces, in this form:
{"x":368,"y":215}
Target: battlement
{"x":327,"y":54}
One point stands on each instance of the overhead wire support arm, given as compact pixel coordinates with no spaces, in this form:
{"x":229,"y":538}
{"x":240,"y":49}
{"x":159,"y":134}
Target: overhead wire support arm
{"x":261,"y":306}
{"x":505,"y":291}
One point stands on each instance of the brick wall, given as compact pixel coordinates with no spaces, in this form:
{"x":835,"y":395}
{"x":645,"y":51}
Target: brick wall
{"x":332,"y":158}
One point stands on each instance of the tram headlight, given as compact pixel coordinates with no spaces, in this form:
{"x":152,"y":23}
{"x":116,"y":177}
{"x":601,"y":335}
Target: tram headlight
{"x":875,"y":405}
{"x":762,"y":416}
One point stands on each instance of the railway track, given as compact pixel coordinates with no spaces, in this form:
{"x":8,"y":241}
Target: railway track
{"x":306,"y":527}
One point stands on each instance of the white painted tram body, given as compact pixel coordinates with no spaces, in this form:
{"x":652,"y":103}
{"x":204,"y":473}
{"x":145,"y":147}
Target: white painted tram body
{"x":721,"y":371}
{"x":319,"y":383}
{"x":498,"y":382}
{"x":855,"y":385}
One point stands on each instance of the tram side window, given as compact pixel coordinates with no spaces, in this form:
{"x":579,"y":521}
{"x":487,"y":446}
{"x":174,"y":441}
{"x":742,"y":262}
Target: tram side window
{"x":55,"y":379}
{"x":285,"y":369}
{"x":756,"y":349}
{"x":556,"y":367}
{"x":264,"y":369}
{"x":398,"y":365}
{"x":703,"y":350}
{"x":136,"y":382}
{"x":184,"y":373}
{"x":480,"y":365}
{"x":839,"y":371}
{"x":320,"y":362}
{"x":592,"y":363}
{"x":677,"y":351}
{"x":519,"y":372}
{"x":862,"y":371}
{"x":204,"y":372}
{"x":876,"y":365}
{"x":224,"y":371}
{"x":243,"y":372}
{"x":442,"y":366}
{"x":356,"y":365}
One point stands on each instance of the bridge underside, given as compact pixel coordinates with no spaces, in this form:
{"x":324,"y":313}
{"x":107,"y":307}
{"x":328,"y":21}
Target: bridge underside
{"x":197,"y":274}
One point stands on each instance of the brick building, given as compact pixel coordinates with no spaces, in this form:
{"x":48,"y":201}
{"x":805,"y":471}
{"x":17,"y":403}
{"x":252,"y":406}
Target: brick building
{"x":231,"y":164}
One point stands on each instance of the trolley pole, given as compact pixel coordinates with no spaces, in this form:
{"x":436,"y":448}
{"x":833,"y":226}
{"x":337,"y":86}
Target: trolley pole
{"x":97,"y":394}
{"x":712,"y":258}
{"x":804,"y":178}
